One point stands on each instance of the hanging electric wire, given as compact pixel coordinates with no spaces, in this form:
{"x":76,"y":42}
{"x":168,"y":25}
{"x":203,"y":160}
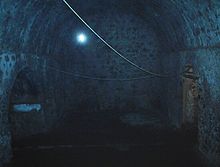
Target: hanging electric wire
{"x":87,"y":76}
{"x":95,"y":78}
{"x":114,"y":50}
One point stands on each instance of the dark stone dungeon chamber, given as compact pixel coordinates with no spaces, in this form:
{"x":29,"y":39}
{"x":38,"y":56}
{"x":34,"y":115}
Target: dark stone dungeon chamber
{"x":110,"y":83}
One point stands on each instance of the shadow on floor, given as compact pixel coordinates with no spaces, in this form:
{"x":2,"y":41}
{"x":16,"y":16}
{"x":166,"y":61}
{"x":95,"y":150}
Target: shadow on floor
{"x":96,"y":144}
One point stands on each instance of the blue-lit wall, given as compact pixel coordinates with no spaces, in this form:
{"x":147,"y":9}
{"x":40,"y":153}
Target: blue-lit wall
{"x":200,"y":48}
{"x":161,"y":36}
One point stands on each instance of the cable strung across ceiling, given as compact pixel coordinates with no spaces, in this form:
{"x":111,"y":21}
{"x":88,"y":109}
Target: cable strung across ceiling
{"x":110,"y":46}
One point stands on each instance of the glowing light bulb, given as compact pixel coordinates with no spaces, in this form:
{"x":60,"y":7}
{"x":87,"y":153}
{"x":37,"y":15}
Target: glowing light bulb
{"x":81,"y":38}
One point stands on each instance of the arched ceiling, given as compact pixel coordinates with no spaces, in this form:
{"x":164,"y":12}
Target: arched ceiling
{"x":34,"y":26}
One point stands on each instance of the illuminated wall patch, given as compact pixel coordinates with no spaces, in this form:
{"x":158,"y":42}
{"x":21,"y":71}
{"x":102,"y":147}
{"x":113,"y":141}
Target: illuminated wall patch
{"x":26,"y":107}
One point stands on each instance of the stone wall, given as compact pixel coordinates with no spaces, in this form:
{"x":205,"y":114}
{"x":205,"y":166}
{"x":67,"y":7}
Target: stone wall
{"x":206,"y":63}
{"x":10,"y":64}
{"x":161,"y":36}
{"x":139,"y":44}
{"x":200,"y":47}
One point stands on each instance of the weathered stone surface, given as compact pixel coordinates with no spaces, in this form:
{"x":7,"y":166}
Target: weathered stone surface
{"x":161,"y":36}
{"x":9,"y":67}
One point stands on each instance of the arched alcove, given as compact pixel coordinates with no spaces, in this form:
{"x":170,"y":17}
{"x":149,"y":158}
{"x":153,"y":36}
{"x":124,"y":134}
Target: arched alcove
{"x":25,"y":105}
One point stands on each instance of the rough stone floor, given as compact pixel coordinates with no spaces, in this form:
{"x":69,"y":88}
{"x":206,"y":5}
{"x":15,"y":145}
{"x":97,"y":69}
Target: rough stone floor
{"x":100,"y":144}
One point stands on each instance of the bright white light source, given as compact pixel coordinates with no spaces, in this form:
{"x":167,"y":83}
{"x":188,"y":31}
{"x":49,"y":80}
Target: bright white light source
{"x":81,"y":38}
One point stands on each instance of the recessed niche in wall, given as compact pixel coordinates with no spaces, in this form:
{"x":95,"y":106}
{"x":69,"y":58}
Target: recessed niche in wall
{"x":25,"y":89}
